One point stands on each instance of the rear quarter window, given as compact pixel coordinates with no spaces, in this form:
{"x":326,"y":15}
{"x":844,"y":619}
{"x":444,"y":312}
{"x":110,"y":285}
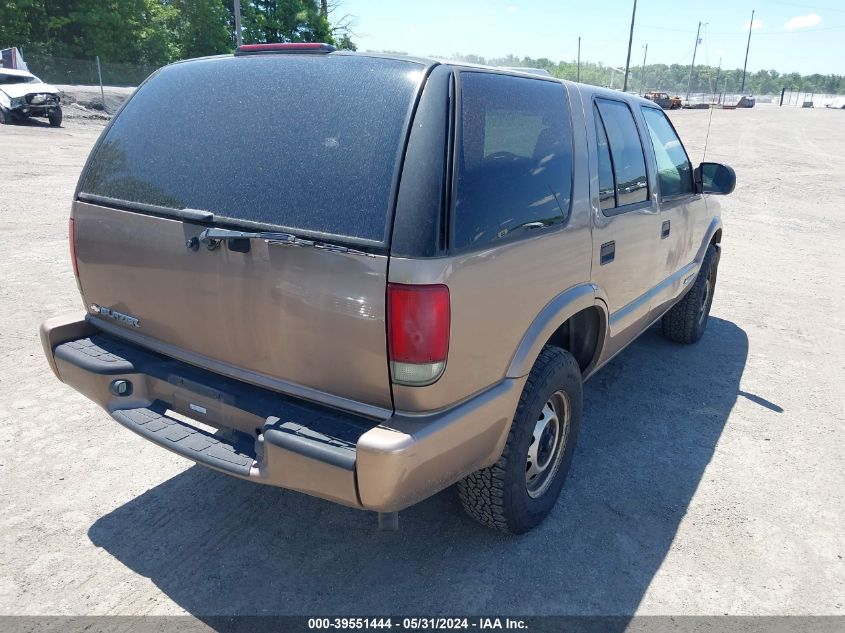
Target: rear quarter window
{"x":514,"y":158}
{"x":308,"y":143}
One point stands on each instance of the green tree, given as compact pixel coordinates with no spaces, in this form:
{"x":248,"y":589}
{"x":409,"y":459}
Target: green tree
{"x":19,"y":21}
{"x":345,"y":43}
{"x":116,"y":30}
{"x":284,"y":21}
{"x":202,"y":27}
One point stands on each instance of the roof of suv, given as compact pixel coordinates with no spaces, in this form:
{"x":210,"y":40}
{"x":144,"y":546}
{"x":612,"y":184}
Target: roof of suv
{"x":428,"y":62}
{"x":516,"y":72}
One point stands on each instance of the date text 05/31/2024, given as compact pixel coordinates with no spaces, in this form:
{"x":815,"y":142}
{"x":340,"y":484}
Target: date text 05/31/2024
{"x":412,"y":624}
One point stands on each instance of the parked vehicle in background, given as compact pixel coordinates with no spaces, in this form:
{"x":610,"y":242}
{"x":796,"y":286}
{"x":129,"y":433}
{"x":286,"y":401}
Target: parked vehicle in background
{"x":746,"y":101}
{"x":392,"y":277}
{"x":23,"y":95}
{"x":664,"y":100}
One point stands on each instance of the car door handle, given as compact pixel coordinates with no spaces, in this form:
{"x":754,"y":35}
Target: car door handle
{"x":607,"y":253}
{"x":664,"y":231}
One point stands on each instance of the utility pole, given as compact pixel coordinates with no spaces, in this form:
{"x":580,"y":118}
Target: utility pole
{"x":692,"y":65}
{"x":716,"y":83}
{"x":630,"y":41}
{"x":642,"y":74}
{"x":747,"y":46}
{"x":100,"y":75}
{"x":238,"y":36}
{"x":578,"y":75}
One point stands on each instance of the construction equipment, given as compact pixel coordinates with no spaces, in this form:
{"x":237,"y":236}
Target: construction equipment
{"x":664,"y":100}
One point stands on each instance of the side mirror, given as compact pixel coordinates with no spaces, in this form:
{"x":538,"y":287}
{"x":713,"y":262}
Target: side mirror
{"x":715,"y":178}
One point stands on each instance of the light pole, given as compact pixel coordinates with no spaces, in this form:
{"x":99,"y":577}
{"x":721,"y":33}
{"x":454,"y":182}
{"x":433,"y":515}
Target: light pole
{"x":747,"y":46}
{"x":630,"y":41}
{"x":578,"y":71}
{"x":692,"y":65}
{"x":642,"y":74}
{"x":716,"y":83}
{"x":238,"y":36}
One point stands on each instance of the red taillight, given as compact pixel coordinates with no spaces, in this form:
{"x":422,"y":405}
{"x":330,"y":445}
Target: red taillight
{"x":71,"y":238}
{"x":418,"y":321}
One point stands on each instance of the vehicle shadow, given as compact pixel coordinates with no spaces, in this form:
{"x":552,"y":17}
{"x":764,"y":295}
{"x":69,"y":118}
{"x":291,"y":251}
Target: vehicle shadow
{"x":220,"y":546}
{"x":29,"y":122}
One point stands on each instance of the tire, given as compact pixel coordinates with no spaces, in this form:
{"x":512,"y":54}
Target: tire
{"x":55,"y":117}
{"x":503,"y":496}
{"x":686,"y":321}
{"x":5,"y":117}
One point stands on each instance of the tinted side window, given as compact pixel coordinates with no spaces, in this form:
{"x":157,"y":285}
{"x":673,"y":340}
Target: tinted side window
{"x":514,"y":158}
{"x":607,"y":187}
{"x":626,"y":151}
{"x":674,"y":172}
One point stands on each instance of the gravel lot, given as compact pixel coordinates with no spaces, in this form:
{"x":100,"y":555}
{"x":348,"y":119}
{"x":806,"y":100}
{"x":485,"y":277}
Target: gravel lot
{"x":709,"y":479}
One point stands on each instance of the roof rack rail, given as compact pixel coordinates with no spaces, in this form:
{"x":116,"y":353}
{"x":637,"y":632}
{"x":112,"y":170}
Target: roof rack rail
{"x":530,"y":71}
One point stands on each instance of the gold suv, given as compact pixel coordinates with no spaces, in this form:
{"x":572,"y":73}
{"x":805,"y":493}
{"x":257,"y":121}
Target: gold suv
{"x":369,"y":277}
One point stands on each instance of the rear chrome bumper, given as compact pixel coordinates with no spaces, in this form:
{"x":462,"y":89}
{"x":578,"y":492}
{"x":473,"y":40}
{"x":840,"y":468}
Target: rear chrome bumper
{"x":270,"y":438}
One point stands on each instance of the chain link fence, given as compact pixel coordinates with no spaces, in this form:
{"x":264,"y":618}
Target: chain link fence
{"x":83,"y":72}
{"x":790,"y":98}
{"x":810,"y":99}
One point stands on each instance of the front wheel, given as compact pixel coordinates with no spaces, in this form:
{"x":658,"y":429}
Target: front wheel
{"x":687,"y":320}
{"x":55,"y":117}
{"x":518,"y":492}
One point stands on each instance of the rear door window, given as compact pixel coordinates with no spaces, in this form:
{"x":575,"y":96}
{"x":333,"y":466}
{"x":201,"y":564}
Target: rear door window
{"x":674,"y":171}
{"x":514,"y":158}
{"x":309,"y":143}
{"x":607,"y":184}
{"x":626,"y":152}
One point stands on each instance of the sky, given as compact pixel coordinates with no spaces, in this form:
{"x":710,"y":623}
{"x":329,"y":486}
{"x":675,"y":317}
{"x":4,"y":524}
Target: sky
{"x":799,"y":36}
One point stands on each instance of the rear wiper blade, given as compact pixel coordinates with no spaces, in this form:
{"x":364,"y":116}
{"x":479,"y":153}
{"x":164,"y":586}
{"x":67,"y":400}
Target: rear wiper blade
{"x":212,"y":238}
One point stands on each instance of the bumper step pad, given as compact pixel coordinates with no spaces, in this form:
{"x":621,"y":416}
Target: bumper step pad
{"x":318,"y":433}
{"x":186,"y":440}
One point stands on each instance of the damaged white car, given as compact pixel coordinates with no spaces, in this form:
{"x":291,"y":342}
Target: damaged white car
{"x":24,"y":95}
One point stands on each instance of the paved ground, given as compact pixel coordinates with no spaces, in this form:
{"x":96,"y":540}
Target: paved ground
{"x":709,"y":479}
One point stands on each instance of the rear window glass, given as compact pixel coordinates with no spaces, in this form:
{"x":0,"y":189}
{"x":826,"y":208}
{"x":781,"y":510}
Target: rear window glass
{"x":304,"y":142}
{"x":514,"y":158}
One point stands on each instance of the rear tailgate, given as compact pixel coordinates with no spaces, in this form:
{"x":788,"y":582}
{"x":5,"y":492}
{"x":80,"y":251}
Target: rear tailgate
{"x":295,"y":319}
{"x":305,"y":144}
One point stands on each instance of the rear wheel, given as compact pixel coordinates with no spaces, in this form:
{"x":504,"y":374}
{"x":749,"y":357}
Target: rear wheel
{"x":518,"y":492}
{"x":687,"y":320}
{"x":5,"y":117}
{"x":55,"y":117}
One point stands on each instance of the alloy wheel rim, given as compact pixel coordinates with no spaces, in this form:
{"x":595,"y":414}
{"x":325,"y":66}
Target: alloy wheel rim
{"x":548,"y":444}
